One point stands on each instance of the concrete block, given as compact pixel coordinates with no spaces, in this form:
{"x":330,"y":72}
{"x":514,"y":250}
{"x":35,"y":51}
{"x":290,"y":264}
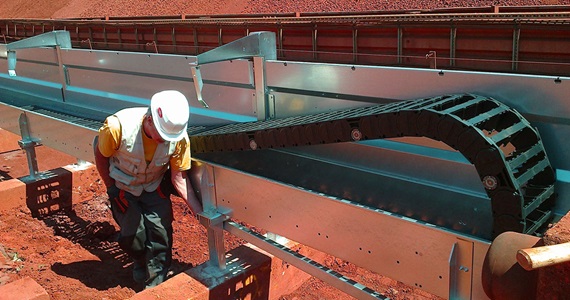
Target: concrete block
{"x":246,"y":277}
{"x":53,"y":190}
{"x":23,"y":289}
{"x":12,"y":193}
{"x":181,"y":286}
{"x":85,"y":179}
{"x":251,"y":273}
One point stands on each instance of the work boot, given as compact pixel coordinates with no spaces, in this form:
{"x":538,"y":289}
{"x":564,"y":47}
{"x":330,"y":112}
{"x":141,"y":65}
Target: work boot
{"x":157,"y":273}
{"x":139,"y":272}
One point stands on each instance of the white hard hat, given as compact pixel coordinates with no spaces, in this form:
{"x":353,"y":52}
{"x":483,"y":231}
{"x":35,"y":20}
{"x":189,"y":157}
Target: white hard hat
{"x":170,"y":113}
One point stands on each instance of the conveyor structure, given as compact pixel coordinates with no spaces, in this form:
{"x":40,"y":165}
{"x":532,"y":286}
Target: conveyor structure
{"x":409,"y":173}
{"x":523,"y":40}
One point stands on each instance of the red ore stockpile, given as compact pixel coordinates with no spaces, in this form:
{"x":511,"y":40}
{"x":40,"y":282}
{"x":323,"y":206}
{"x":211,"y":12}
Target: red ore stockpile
{"x":100,"y":8}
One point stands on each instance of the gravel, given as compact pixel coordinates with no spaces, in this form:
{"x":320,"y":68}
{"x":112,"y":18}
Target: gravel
{"x":211,"y":7}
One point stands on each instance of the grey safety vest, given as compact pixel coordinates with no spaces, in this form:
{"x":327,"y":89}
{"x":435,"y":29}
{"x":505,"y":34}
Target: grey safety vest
{"x":128,"y":165}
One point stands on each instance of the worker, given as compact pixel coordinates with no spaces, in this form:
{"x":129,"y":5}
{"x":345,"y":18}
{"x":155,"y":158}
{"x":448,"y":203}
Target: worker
{"x":134,"y":150}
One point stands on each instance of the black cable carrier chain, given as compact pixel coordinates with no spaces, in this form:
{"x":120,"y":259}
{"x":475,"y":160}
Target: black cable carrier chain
{"x":505,"y":149}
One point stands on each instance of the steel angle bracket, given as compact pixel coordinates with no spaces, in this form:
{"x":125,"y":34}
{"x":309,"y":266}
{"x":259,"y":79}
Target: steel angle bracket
{"x":214,"y":223}
{"x":60,"y":39}
{"x":461,"y":270}
{"x":261,"y":45}
{"x":29,"y":144}
{"x":203,"y":177}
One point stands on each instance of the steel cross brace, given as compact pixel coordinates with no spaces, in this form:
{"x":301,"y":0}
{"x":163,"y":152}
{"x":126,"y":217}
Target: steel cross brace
{"x":59,"y":39}
{"x":260,"y":46}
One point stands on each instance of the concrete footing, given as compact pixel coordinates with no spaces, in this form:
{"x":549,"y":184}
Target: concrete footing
{"x":50,"y":190}
{"x":250,"y":273}
{"x":23,"y":289}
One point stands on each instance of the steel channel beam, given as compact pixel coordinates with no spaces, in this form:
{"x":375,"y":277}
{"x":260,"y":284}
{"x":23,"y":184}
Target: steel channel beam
{"x":382,"y":242}
{"x":359,"y":172}
{"x":63,"y":136}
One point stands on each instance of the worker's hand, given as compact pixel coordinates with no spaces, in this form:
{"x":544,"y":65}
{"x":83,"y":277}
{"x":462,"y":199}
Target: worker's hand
{"x":117,"y":199}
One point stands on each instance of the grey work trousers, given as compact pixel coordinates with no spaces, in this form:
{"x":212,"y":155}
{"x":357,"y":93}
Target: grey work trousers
{"x":146,"y":232}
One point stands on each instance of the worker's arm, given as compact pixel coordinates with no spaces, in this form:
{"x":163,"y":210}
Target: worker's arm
{"x":183,"y":186}
{"x":180,"y":163}
{"x":102,"y":164}
{"x":105,"y":145}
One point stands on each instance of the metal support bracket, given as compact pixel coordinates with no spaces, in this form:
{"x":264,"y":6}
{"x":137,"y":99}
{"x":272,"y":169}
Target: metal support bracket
{"x":214,"y":223}
{"x":59,"y":39}
{"x":11,"y":55}
{"x":198,"y":84}
{"x":461,"y":270}
{"x":28,"y":144}
{"x":210,"y":217}
{"x":260,"y":44}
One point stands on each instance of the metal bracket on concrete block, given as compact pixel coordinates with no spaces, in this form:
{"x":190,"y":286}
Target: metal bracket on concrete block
{"x":214,"y":222}
{"x":29,"y":143}
{"x":210,"y":217}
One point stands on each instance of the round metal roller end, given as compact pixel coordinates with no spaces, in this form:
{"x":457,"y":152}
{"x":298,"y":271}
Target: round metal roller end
{"x":356,"y":135}
{"x":252,"y":145}
{"x":490,"y":182}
